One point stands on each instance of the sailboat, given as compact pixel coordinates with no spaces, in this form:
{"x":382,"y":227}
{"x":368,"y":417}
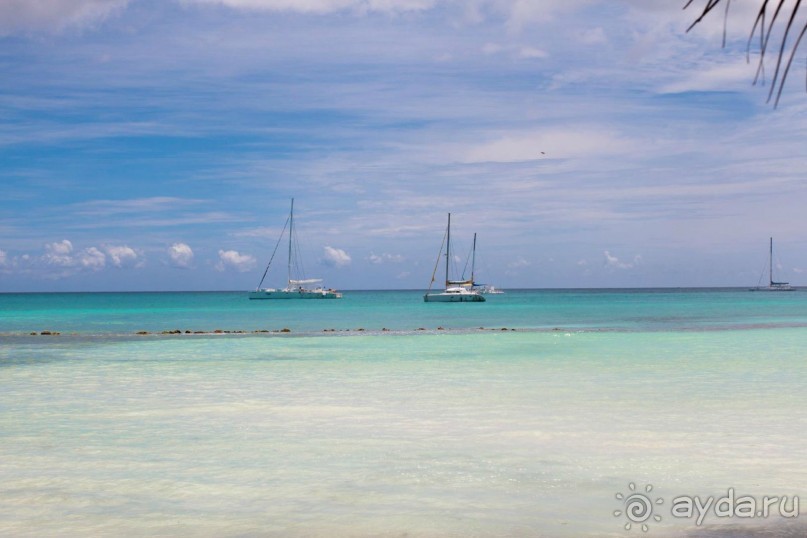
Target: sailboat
{"x":457,"y":291}
{"x":773,"y":286}
{"x":484,"y":289}
{"x":295,"y":288}
{"x":490,"y":289}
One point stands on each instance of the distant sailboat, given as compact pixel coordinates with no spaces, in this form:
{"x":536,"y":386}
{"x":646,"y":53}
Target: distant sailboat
{"x":295,"y":288}
{"x":773,"y":286}
{"x":457,"y":291}
{"x":484,"y":289}
{"x":489,"y":289}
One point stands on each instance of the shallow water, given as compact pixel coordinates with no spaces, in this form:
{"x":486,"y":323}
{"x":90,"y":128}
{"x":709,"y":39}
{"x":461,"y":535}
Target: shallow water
{"x":486,"y":433}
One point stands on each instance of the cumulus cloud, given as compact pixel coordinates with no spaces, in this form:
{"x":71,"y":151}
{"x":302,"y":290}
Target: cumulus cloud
{"x":614,"y":262}
{"x":121,"y":256}
{"x":385,"y":258}
{"x":59,"y":253}
{"x":20,"y":16}
{"x":231,"y":259}
{"x":181,"y":255}
{"x":335,"y":257}
{"x":91,"y":258}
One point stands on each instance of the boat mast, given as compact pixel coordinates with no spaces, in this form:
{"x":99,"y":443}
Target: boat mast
{"x":770,"y":261}
{"x":473,"y":261}
{"x":448,"y":246}
{"x":291,"y":226}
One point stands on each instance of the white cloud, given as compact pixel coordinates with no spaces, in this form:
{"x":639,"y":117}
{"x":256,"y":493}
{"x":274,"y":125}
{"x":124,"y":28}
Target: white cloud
{"x":20,"y":16}
{"x":519,"y":263}
{"x":92,"y":258}
{"x":233,"y":259}
{"x":121,"y":256}
{"x":594,"y":36}
{"x":528,"y":53}
{"x":555,"y":143}
{"x":261,"y":233}
{"x":614,"y":262}
{"x":335,"y":257}
{"x":525,"y":12}
{"x":135,"y":206}
{"x":53,"y":15}
{"x":181,"y":255}
{"x":515,"y":267}
{"x":735,"y":75}
{"x":532,"y":53}
{"x":323,"y":6}
{"x":385,"y":258}
{"x":3,"y":258}
{"x":59,"y":253}
{"x":492,"y":48}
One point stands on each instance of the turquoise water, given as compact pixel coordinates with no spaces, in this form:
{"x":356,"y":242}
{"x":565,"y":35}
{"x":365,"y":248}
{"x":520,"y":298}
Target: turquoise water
{"x":408,"y":433}
{"x":127,"y":313}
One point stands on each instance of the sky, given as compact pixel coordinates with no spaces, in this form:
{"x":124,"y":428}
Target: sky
{"x":156,"y":145}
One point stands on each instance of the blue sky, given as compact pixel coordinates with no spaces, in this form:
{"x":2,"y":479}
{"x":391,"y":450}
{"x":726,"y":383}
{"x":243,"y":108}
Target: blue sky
{"x":154,"y":145}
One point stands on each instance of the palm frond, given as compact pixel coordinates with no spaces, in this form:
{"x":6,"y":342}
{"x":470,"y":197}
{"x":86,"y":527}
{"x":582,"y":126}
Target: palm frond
{"x":770,"y":19}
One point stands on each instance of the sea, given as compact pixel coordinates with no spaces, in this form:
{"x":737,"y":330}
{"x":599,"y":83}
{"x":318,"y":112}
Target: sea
{"x":546,"y":413}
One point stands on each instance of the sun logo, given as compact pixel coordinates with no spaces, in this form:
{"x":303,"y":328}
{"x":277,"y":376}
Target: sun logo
{"x":638,"y":507}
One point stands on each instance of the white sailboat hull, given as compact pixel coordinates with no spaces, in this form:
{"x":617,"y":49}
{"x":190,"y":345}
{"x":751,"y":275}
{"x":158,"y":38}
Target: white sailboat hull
{"x":774,"y":288}
{"x":294,"y":294}
{"x":454,"y":297}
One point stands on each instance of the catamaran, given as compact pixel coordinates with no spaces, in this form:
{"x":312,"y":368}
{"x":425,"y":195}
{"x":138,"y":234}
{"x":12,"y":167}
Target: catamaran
{"x":484,"y":289}
{"x":773,"y":286}
{"x":295,"y":288}
{"x":457,"y":291}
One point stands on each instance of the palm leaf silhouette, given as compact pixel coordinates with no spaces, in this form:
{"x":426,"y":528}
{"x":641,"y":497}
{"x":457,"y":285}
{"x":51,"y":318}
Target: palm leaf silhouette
{"x":772,"y":19}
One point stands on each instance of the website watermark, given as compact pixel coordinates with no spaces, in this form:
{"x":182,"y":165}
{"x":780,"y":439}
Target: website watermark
{"x":641,"y":508}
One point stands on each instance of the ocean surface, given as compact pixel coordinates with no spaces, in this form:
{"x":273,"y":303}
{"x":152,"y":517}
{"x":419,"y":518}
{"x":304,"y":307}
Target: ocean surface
{"x":444,"y":424}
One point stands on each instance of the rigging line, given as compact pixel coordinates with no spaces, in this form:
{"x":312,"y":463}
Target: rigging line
{"x":465,"y":268}
{"x":273,"y":252}
{"x":455,"y":259}
{"x":778,"y":264}
{"x":438,"y":260}
{"x":471,"y":258}
{"x":299,"y":267}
